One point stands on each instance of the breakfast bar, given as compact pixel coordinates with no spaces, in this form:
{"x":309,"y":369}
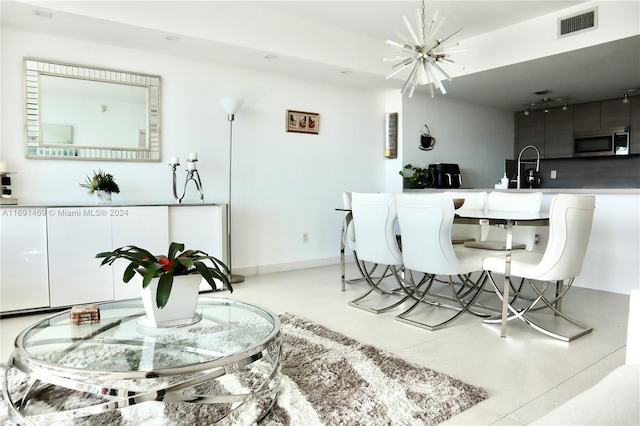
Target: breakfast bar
{"x":611,"y":261}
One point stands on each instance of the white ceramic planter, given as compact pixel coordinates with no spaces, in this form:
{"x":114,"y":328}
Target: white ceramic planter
{"x":181,"y":307}
{"x":102,"y":197}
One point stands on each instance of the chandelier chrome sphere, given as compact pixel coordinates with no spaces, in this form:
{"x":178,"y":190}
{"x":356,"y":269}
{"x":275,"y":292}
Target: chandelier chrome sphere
{"x":425,"y":53}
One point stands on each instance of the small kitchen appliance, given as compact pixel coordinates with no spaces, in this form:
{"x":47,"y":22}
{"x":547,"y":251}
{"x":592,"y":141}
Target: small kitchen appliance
{"x":601,"y":142}
{"x":533,"y":178}
{"x":445,"y":175}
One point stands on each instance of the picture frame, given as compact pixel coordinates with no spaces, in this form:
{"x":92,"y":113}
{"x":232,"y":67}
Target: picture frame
{"x":303,"y":122}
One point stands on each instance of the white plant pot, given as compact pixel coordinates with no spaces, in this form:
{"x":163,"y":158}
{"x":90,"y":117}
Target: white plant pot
{"x":102,"y":197}
{"x":181,"y":307}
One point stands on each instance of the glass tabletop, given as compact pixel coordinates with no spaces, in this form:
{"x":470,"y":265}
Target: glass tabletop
{"x":227,"y":331}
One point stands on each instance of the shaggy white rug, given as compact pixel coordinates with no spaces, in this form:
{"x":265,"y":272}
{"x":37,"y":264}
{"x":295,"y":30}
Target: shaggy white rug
{"x":327,"y":379}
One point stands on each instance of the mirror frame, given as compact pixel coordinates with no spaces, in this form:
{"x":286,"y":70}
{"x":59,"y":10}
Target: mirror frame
{"x":34,"y":148}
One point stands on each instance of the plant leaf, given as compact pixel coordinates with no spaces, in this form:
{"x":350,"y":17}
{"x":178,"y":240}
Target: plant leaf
{"x":185,"y":261}
{"x":174,"y":248}
{"x":129,"y":273}
{"x":151,"y":272}
{"x":164,"y":290}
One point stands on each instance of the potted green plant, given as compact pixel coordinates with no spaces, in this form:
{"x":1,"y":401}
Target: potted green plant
{"x":416,"y":177}
{"x":163,"y":275}
{"x":102,"y":185}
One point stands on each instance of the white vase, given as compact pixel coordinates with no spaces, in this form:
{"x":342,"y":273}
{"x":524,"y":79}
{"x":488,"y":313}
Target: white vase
{"x":181,"y":306}
{"x":102,"y":197}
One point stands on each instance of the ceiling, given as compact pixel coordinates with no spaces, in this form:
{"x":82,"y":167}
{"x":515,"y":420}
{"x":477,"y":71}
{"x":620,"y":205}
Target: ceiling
{"x":599,"y":72}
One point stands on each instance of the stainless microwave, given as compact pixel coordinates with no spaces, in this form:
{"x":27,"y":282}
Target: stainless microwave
{"x":601,"y":142}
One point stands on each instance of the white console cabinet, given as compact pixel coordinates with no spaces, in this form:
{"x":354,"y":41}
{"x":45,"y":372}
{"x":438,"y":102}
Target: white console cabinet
{"x":144,"y":226}
{"x":48,"y":253}
{"x":74,"y":237}
{"x":200,"y":227}
{"x":23,"y":259}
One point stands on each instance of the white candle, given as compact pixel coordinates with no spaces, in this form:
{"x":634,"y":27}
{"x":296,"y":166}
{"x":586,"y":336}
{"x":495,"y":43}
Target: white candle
{"x":3,"y":167}
{"x":191,"y":165}
{"x":175,"y":161}
{"x":193,"y":156}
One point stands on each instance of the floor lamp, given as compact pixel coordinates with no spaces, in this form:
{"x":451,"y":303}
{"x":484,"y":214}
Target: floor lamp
{"x":231,"y":106}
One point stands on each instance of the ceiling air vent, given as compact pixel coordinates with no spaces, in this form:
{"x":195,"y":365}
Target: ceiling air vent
{"x":572,"y":24}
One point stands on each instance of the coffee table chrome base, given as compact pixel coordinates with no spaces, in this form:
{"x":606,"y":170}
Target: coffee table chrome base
{"x":118,"y":394}
{"x":229,"y":361}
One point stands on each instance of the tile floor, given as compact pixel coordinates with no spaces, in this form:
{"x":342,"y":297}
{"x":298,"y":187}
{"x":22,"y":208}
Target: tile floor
{"x":526,"y":375}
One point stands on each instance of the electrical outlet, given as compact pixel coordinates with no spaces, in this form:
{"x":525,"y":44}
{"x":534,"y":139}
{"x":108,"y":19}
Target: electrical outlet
{"x":305,"y":238}
{"x":553,"y":174}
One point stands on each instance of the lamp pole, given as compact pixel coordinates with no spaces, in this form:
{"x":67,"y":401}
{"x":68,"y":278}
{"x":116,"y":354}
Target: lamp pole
{"x":231,"y":106}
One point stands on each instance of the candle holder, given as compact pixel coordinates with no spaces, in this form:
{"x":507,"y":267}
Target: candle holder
{"x":192,"y":175}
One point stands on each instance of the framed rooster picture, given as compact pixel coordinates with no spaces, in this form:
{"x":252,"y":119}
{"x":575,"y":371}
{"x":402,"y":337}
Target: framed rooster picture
{"x":303,"y":122}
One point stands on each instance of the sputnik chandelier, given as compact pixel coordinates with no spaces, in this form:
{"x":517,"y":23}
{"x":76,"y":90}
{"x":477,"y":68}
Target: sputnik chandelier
{"x":425,"y":53}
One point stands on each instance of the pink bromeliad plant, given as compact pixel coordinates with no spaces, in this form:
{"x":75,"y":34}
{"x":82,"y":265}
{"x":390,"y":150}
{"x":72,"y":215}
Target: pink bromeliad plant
{"x":178,"y":261}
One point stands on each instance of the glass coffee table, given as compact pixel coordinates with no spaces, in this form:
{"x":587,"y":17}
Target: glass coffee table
{"x":228,"y":359}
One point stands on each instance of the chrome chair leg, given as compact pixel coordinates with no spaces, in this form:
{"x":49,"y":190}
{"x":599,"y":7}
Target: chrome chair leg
{"x":374,"y":287}
{"x":463,"y":305}
{"x":374,"y":266}
{"x":520,"y":313}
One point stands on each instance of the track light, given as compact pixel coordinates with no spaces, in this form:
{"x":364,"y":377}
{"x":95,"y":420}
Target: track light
{"x":546,"y":103}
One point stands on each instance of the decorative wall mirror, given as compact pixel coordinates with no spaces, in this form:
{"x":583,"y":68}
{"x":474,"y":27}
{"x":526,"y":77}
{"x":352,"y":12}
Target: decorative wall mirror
{"x":76,"y":112}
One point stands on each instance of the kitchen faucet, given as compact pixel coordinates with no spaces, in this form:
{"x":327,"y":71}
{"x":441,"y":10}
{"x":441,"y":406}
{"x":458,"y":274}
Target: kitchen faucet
{"x":520,"y":157}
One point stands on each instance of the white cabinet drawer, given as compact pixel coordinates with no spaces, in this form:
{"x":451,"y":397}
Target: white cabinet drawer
{"x":75,"y":236}
{"x":24,"y":281}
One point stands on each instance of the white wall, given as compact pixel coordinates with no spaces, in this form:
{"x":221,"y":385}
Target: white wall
{"x":477,"y":138}
{"x":284,"y":184}
{"x":538,"y":37}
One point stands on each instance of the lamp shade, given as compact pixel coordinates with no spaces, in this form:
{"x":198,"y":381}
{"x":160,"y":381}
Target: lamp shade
{"x":231,"y":105}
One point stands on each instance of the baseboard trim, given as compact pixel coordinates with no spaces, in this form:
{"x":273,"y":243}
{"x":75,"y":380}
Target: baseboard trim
{"x":290,"y":266}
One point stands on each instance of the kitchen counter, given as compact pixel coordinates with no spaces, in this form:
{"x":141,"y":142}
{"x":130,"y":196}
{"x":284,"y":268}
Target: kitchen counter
{"x":543,"y":190}
{"x":611,"y":261}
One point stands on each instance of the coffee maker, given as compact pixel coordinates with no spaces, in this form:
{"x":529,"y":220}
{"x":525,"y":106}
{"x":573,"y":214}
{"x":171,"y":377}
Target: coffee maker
{"x":529,"y":179}
{"x":533,"y":178}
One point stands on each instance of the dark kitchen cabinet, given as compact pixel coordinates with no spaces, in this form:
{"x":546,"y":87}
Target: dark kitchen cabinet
{"x":586,"y":117}
{"x":558,"y":133}
{"x":530,"y":131}
{"x":615,"y":113}
{"x":553,"y":132}
{"x":634,"y":126}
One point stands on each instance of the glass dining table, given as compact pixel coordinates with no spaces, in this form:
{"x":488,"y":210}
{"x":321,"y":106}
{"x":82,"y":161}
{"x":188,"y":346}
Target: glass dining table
{"x":508,"y":220}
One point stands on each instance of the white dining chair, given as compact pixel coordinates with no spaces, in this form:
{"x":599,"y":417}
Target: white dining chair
{"x":570,"y":220}
{"x":523,"y":237}
{"x":374,"y":219}
{"x":348,"y":239}
{"x":349,"y":243}
{"x":462,"y":232}
{"x":425,"y":229}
